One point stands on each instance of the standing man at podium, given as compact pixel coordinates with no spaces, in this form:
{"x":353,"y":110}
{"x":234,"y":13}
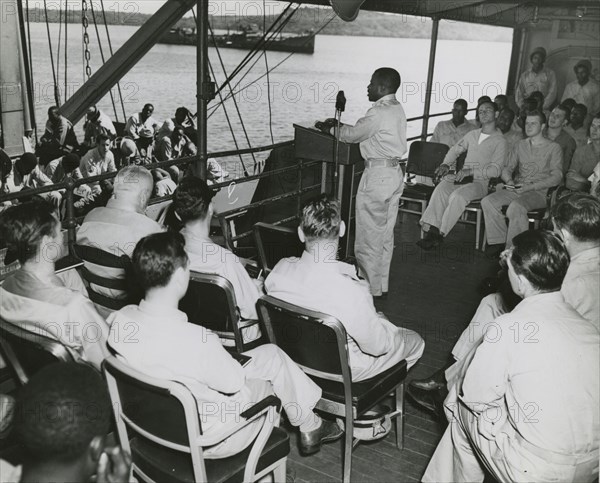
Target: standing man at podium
{"x":382,"y":137}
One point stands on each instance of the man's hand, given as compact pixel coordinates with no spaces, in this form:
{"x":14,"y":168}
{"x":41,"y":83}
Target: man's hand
{"x":326,"y":125}
{"x":462,"y":174}
{"x":114,"y":466}
{"x":440,"y":172}
{"x":523,"y":189}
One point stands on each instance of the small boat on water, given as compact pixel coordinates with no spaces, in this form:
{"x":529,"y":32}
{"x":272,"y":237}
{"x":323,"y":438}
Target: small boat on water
{"x":246,"y":39}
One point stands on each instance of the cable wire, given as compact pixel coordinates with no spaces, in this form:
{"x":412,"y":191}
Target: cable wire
{"x":56,"y":95}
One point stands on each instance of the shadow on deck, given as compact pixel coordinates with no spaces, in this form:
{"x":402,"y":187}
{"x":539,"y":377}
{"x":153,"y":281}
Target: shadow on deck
{"x":435,"y":294}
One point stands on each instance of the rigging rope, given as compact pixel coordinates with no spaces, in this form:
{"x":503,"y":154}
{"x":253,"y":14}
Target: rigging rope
{"x":102,"y":57}
{"x":59,"y":39}
{"x":30,"y":66}
{"x":268,"y":79}
{"x":56,"y":94}
{"x":66,"y":47}
{"x":111,"y":53}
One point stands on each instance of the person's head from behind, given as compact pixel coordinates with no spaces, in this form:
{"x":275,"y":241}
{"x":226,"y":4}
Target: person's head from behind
{"x":192,"y":202}
{"x":538,"y":263}
{"x":501,"y":101}
{"x":26,"y":164}
{"x":70,"y":162}
{"x":62,"y":417}
{"x":31,"y":232}
{"x":321,"y":222}
{"x":505,"y":120}
{"x":578,"y":115}
{"x":133,"y":188}
{"x":576,"y":217}
{"x":459,"y":111}
{"x":569,"y":104}
{"x":486,"y":112}
{"x":559,"y":117}
{"x":160,"y":262}
{"x":384,"y":81}
{"x":534,"y":123}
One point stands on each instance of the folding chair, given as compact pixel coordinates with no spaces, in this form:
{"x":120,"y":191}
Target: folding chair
{"x":274,"y":243}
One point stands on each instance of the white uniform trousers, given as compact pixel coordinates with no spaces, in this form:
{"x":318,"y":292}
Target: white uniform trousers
{"x":448,"y":202}
{"x":518,"y":206}
{"x":377,"y":203}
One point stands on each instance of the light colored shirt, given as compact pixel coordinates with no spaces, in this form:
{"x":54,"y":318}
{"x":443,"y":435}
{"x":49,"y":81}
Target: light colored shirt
{"x":581,"y":286}
{"x":94,"y":164}
{"x":334,"y":288}
{"x":102,"y":125}
{"x":135,"y":128}
{"x":512,"y":138}
{"x":208,"y":257}
{"x":63,"y":133}
{"x":511,"y":383}
{"x":568,"y":146}
{"x":585,"y":160}
{"x":543,"y":81}
{"x":56,"y":311}
{"x":587,"y":94}
{"x":540,"y":166}
{"x":116,"y":231}
{"x":164,"y":187}
{"x":381,"y":132}
{"x":595,"y":180}
{"x":486,"y":159}
{"x":580,"y":135}
{"x":159,"y":341}
{"x":165,"y":149}
{"x":447,"y":133}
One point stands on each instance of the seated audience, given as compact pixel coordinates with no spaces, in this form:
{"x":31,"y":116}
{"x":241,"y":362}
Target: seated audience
{"x":59,"y":137}
{"x":476,"y":122}
{"x":528,"y":105}
{"x":63,"y":415}
{"x":585,"y":160}
{"x":318,"y":282}
{"x":452,"y":131}
{"x":28,"y":174}
{"x":584,"y":90}
{"x":97,"y":161}
{"x":171,"y":142}
{"x":193,"y":206}
{"x":502,"y":102}
{"x":118,"y":226}
{"x":576,"y":218}
{"x":534,"y":165}
{"x":141,"y":127}
{"x":559,"y":117}
{"x":486,"y":155}
{"x":171,"y":347}
{"x":576,"y":127}
{"x":7,"y":184}
{"x":537,"y":78}
{"x":34,"y":297}
{"x":185,"y":119}
{"x":569,"y":104}
{"x":97,"y":123}
{"x":538,"y":98}
{"x":504,"y":122}
{"x":128,"y":153}
{"x":508,"y":415}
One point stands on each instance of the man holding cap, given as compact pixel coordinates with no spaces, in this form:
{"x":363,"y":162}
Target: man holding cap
{"x":584,"y":89}
{"x":538,"y":78}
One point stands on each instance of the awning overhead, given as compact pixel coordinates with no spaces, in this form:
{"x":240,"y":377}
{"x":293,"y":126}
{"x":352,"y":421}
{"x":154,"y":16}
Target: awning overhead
{"x":491,"y":12}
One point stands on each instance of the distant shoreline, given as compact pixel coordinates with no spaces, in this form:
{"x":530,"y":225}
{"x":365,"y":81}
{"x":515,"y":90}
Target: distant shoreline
{"x":368,"y":24}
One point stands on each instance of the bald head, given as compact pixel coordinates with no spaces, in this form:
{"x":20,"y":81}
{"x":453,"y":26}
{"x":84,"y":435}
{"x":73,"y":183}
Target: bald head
{"x":133,"y":187}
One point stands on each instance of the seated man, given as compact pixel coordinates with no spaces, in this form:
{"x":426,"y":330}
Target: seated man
{"x":577,"y":127}
{"x":59,"y":137}
{"x":452,"y":131}
{"x":171,"y":347}
{"x":128,"y":153}
{"x":29,"y":174}
{"x":171,"y":143}
{"x":585,"y":90}
{"x":486,"y":155}
{"x":559,"y":117}
{"x":97,"y":161}
{"x":508,"y":412}
{"x":215,"y":172}
{"x":476,"y":122}
{"x":193,"y":207}
{"x":63,"y":416}
{"x":141,"y":127}
{"x":585,"y":160}
{"x":97,"y":123}
{"x":576,"y":217}
{"x":318,"y":282}
{"x":504,"y":123}
{"x":502,"y":102}
{"x":118,"y":226}
{"x":34,"y":298}
{"x":534,"y":165}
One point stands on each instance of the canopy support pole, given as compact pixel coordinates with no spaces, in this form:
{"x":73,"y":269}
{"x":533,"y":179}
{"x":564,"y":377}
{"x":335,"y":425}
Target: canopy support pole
{"x":429,"y":87}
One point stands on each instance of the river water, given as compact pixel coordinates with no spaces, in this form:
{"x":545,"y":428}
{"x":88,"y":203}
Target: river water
{"x":303,"y":88}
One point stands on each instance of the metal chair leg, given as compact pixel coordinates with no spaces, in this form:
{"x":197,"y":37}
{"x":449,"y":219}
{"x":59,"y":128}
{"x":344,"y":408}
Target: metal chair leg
{"x":399,"y":420}
{"x":477,"y":229}
{"x":279,"y":472}
{"x":348,"y":444}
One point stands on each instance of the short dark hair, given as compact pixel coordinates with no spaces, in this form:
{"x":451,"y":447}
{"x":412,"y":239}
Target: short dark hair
{"x":537,"y":95}
{"x":483,"y":99}
{"x":490,"y":102}
{"x":539,"y":114}
{"x":541,"y":257}
{"x":60,"y":411}
{"x":581,"y":107}
{"x":23,"y":227}
{"x":389,"y":77}
{"x":564,"y":109}
{"x":502,"y":97}
{"x":146,"y":106}
{"x":569,"y":103}
{"x":191,"y":199}
{"x":5,"y":164}
{"x":579,"y":214}
{"x":52,"y":108}
{"x":321,"y":218}
{"x":103,"y":137}
{"x":462,"y":103}
{"x":156,"y":257}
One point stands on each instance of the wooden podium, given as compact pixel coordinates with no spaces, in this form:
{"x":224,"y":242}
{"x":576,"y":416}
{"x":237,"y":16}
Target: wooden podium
{"x":314,"y":145}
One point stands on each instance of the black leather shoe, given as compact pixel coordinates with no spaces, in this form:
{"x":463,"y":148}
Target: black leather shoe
{"x":311,"y":441}
{"x":432,"y":401}
{"x":430,"y":384}
{"x":383,"y":296}
{"x":430,"y":241}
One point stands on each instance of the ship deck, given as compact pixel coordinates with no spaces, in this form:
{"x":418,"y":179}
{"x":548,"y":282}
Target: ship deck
{"x":434,"y":293}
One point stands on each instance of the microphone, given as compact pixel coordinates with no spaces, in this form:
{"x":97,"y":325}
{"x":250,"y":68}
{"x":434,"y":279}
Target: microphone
{"x":340,"y":102}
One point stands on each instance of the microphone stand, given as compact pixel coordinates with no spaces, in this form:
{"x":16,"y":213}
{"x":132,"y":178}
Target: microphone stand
{"x":336,"y":149}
